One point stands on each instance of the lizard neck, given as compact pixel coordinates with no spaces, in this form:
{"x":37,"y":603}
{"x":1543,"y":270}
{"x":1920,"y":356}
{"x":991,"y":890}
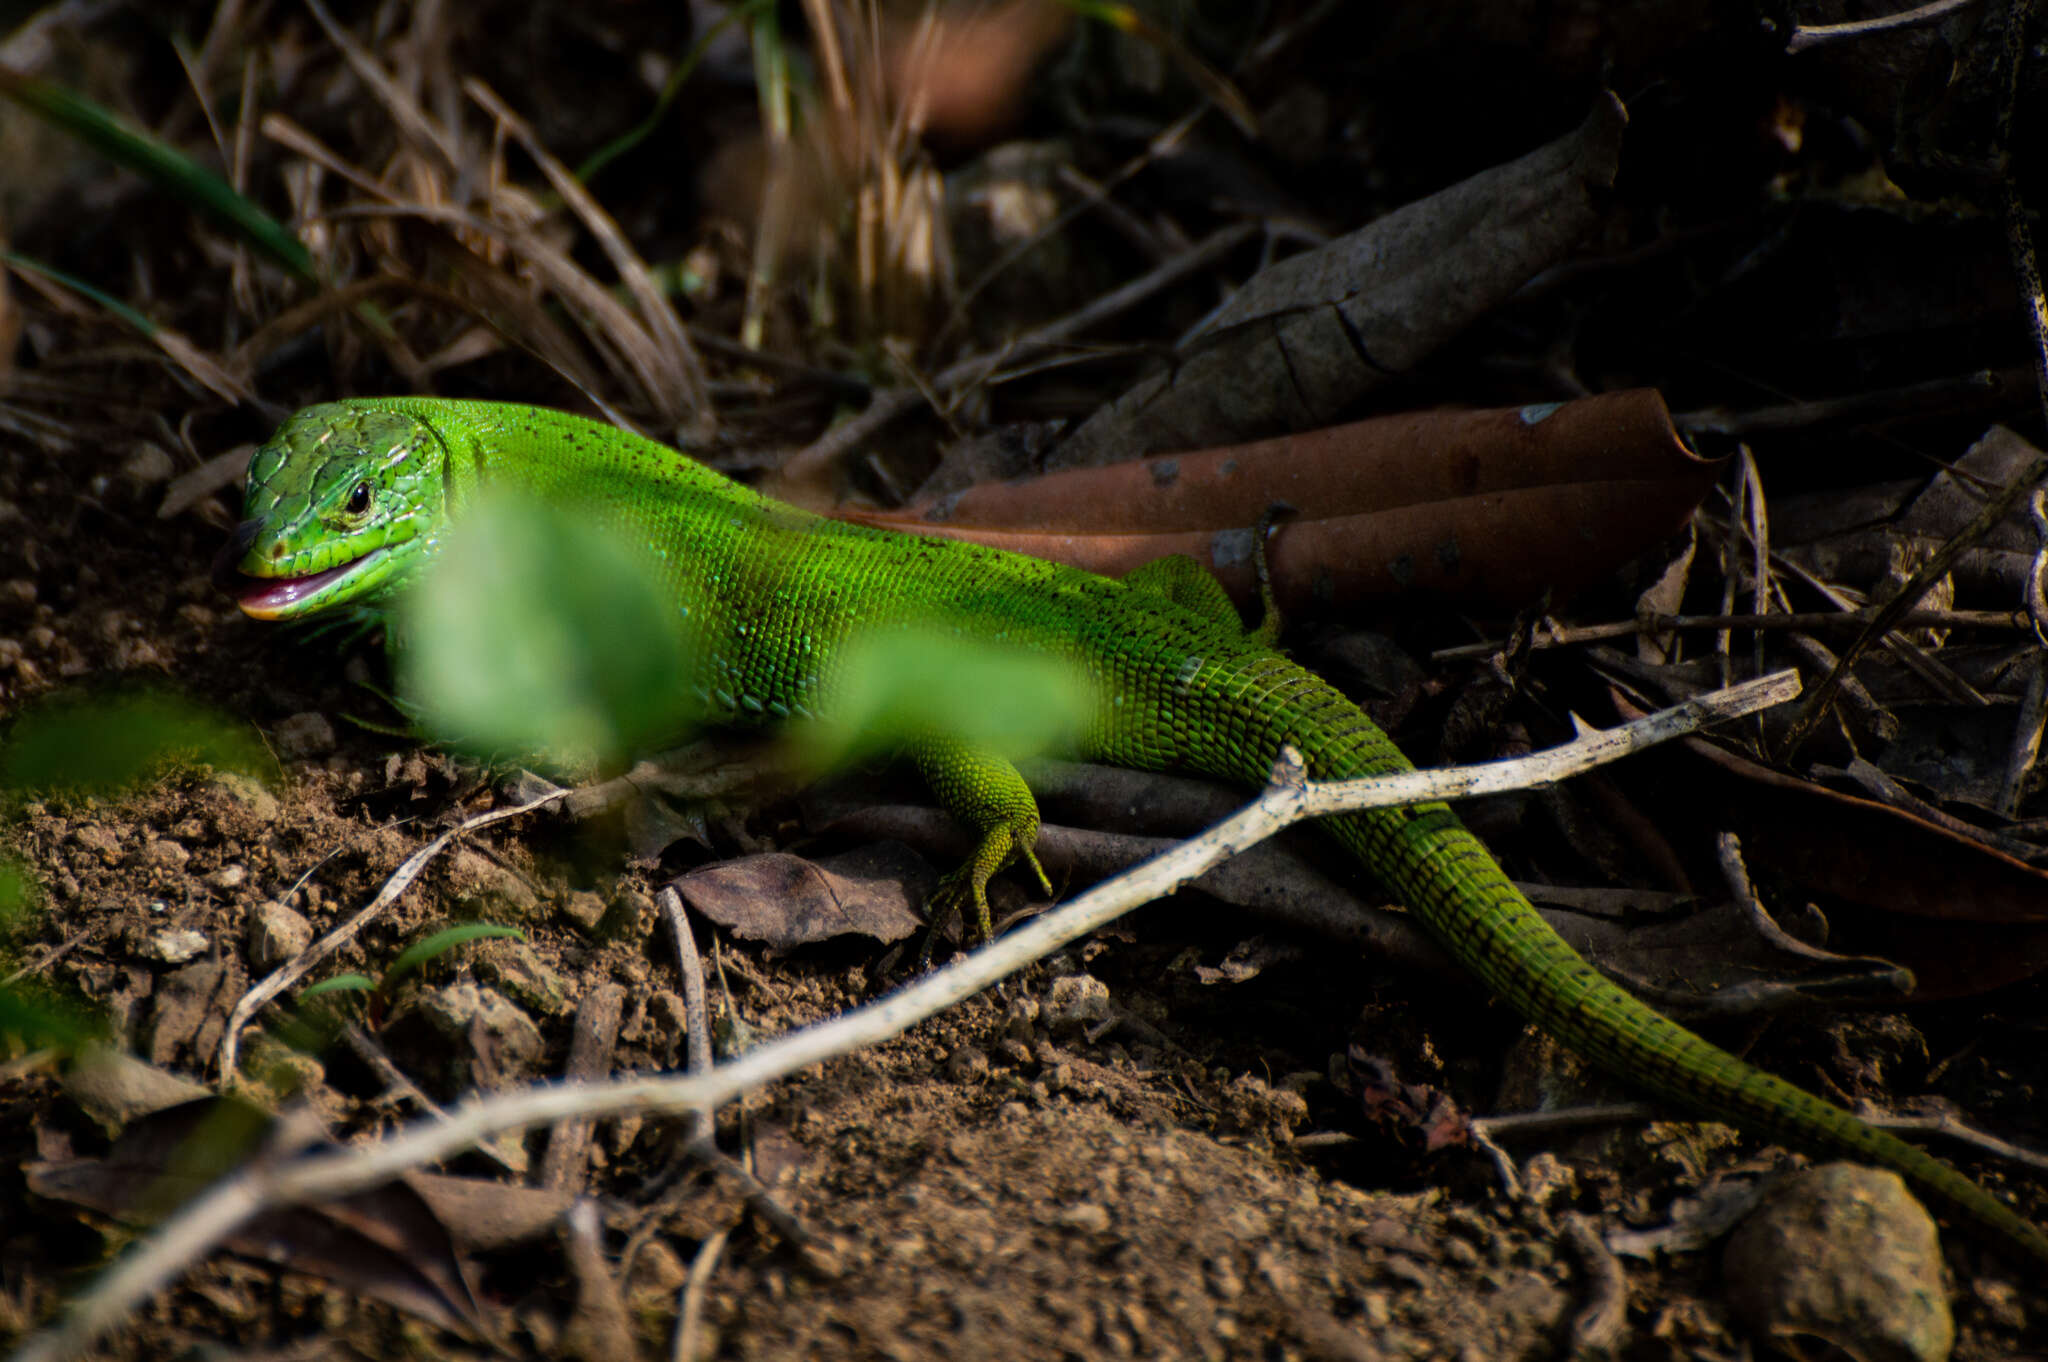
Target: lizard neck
{"x":561,"y":458}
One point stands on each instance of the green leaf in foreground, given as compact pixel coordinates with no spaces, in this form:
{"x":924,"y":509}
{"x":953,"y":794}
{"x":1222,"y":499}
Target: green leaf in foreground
{"x":537,"y":634}
{"x":897,"y":687}
{"x":18,"y":893}
{"x":35,"y":1020}
{"x":31,"y":1013}
{"x":102,"y":744}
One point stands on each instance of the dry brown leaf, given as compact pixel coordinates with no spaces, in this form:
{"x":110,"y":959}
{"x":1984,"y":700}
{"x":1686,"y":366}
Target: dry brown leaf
{"x":1487,"y":507}
{"x":789,"y":901}
{"x":960,"y":73}
{"x":386,"y":1242}
{"x":485,"y":1215}
{"x":1867,"y":852}
{"x":1962,"y":916}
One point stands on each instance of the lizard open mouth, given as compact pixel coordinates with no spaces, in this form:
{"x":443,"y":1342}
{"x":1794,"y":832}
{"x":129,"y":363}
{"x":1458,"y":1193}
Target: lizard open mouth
{"x":269,"y":598}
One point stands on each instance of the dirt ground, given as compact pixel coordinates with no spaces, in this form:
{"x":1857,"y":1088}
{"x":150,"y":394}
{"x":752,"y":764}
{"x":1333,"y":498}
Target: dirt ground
{"x":1193,"y":1180}
{"x":1195,"y":1134}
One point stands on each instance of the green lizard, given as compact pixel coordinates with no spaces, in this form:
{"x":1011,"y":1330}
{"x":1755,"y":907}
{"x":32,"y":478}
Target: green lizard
{"x":350,"y":500}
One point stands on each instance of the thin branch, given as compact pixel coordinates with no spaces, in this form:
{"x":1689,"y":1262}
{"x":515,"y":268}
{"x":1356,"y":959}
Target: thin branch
{"x":1589,"y":749}
{"x":1949,"y":1128}
{"x":689,"y":1336}
{"x":1653,"y":623}
{"x":1814,"y":35}
{"x":2027,"y":266}
{"x":1521,"y":1125}
{"x":1602,"y":1323}
{"x":696,"y":1017}
{"x":818,"y":457}
{"x":401,"y":879}
{"x":204,"y":1222}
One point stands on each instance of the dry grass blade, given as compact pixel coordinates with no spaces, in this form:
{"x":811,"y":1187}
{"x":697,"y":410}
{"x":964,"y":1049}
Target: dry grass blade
{"x":618,"y":337}
{"x":202,"y":1224}
{"x":813,"y":466}
{"x":608,"y":324}
{"x":162,"y":165}
{"x":1213,"y":84}
{"x":291,"y":136}
{"x":404,"y":110}
{"x":183,"y":352}
{"x":682,"y":376}
{"x":501,"y":303}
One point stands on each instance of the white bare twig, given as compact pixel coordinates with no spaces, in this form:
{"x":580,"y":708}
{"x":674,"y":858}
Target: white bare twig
{"x":1814,"y":35}
{"x":401,"y":879}
{"x":200,"y":1226}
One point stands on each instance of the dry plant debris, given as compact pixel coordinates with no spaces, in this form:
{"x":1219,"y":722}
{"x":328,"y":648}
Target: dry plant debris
{"x":834,"y":253}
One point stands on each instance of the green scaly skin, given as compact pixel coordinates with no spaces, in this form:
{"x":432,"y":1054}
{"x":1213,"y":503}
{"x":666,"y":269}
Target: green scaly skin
{"x":360,"y":493}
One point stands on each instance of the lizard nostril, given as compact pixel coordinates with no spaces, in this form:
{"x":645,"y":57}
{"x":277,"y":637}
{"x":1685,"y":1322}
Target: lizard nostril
{"x":276,"y":552}
{"x":225,"y":574}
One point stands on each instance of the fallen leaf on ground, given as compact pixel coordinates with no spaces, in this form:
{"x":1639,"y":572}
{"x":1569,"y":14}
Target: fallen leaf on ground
{"x":385,"y":1242}
{"x":1487,"y":507}
{"x":789,"y":901}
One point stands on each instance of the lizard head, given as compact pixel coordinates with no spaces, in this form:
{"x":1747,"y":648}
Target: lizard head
{"x":340,"y":509}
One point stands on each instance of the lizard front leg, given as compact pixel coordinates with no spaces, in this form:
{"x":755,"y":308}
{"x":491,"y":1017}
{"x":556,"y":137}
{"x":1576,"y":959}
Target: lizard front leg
{"x":989,"y":794}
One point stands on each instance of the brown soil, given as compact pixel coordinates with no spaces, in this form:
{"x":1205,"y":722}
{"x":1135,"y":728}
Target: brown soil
{"x":1206,"y":1177}
{"x":982,"y":1187}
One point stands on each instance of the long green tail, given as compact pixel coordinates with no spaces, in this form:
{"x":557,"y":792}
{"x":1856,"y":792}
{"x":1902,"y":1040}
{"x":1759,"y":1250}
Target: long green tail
{"x":1448,"y":879}
{"x":337,"y":503}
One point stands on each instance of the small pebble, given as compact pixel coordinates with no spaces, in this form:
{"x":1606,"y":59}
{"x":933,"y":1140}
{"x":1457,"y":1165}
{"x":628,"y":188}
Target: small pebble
{"x":966,"y":1064}
{"x":175,"y":946}
{"x":304,"y":735}
{"x":164,"y":854}
{"x":1076,"y":1001}
{"x":1844,"y":1254}
{"x":275,"y":934}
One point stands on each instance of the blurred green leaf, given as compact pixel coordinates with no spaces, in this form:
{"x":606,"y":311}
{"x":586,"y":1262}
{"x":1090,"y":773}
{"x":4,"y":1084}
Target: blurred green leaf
{"x":340,"y":983}
{"x":18,"y":893}
{"x":98,"y":744}
{"x":536,"y":633}
{"x":441,"y":942}
{"x":159,"y":163}
{"x":30,"y":1015}
{"x":36,"y":1020}
{"x":899,"y":686}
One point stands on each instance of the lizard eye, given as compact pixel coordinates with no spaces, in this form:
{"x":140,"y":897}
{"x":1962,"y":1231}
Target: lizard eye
{"x":359,"y":499}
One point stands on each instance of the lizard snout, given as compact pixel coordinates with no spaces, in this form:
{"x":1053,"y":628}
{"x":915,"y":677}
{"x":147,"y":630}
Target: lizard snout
{"x":227,"y":573}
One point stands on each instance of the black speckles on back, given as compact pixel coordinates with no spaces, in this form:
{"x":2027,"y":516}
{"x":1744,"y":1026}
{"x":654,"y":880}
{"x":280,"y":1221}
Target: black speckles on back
{"x":776,"y":593}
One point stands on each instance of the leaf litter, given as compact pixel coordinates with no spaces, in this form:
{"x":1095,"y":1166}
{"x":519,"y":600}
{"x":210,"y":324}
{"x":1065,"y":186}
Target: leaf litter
{"x":993,"y":1182}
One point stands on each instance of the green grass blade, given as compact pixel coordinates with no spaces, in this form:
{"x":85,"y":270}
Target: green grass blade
{"x":140,"y":321}
{"x":670,"y":88}
{"x":351,"y":983}
{"x":441,"y":942}
{"x":160,"y":164}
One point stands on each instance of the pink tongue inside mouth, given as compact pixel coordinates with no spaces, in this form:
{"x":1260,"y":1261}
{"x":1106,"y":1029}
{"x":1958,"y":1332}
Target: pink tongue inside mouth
{"x":271,"y":594}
